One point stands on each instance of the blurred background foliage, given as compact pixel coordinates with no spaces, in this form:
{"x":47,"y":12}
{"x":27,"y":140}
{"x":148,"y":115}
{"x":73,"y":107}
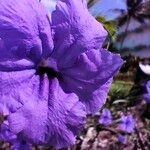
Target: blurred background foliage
{"x":129,"y":21}
{"x":128,"y":26}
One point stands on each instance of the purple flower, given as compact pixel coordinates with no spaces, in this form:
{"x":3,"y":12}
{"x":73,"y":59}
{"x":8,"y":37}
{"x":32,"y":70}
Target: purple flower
{"x":122,"y":139}
{"x":127,"y":124}
{"x":147,"y":95}
{"x":106,"y":117}
{"x":52,"y":72}
{"x":148,"y":87}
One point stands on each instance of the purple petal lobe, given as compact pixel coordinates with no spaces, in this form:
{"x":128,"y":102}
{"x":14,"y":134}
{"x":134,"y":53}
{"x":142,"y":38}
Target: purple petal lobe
{"x":16,"y":88}
{"x":148,"y":87}
{"x":6,"y":134}
{"x":76,"y":31}
{"x":147,"y":97}
{"x":90,"y":77}
{"x":23,"y":35}
{"x":55,"y":121}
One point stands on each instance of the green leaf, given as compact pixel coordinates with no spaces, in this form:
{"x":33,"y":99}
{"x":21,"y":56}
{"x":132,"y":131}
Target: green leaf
{"x":110,"y":26}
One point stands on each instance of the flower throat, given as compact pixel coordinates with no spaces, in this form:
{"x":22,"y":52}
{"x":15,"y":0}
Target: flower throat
{"x":51,"y":73}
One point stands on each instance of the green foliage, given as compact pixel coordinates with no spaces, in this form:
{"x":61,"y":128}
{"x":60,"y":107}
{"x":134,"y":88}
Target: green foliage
{"x":110,"y":26}
{"x":119,"y":91}
{"x":90,"y":2}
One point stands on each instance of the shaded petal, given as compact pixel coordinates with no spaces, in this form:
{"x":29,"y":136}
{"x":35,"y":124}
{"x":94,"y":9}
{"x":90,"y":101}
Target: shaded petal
{"x":54,"y":122}
{"x":76,"y":31}
{"x":147,"y":97}
{"x":90,"y":76}
{"x":6,"y":134}
{"x":22,"y":35}
{"x":148,"y":87}
{"x":21,"y":145}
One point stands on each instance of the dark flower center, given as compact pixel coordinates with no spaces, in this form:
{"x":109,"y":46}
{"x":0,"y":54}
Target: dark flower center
{"x":2,"y":118}
{"x":51,"y":73}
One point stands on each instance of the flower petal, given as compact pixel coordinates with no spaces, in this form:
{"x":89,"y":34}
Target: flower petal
{"x":20,"y":145}
{"x":6,"y":134}
{"x":19,"y":65}
{"x":76,"y":31}
{"x":127,"y":123}
{"x":54,"y":122}
{"x":90,"y":77}
{"x":106,"y":117}
{"x":148,"y":87}
{"x":147,"y":97}
{"x":98,"y":98}
{"x":15,"y":87}
{"x":23,"y":35}
{"x":18,"y":88}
